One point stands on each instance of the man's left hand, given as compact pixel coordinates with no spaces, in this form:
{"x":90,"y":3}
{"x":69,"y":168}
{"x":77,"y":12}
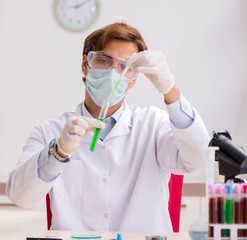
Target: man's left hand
{"x":153,"y":65}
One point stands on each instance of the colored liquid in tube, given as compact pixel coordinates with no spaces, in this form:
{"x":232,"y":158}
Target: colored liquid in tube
{"x":220,"y":203}
{"x":237,"y":206}
{"x":237,"y":212}
{"x":220,"y":207}
{"x":220,"y":210}
{"x":244,"y":209}
{"x":237,"y":203}
{"x":212,"y":209}
{"x":229,"y":207}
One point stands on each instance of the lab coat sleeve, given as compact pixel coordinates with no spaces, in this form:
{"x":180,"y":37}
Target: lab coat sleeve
{"x":24,"y":186}
{"x":183,"y":150}
{"x":181,"y":113}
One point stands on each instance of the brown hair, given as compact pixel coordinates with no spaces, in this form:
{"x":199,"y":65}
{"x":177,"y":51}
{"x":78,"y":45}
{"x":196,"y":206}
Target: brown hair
{"x":98,"y":39}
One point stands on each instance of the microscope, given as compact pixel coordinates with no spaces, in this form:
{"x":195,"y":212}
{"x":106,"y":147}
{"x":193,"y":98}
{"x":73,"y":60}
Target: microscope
{"x":232,"y":159}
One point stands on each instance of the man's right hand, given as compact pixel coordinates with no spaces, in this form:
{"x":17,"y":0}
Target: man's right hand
{"x":74,"y":130}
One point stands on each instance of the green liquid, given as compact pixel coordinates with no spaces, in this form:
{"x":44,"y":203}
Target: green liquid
{"x":95,"y":137}
{"x":229,"y":211}
{"x":229,"y":215}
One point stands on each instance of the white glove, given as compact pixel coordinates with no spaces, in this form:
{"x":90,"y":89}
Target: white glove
{"x":153,"y":65}
{"x":74,"y":130}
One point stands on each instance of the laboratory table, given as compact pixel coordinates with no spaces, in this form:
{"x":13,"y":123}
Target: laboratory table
{"x":66,"y":235}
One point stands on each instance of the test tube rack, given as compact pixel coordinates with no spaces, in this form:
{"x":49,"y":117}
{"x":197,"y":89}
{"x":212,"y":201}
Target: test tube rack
{"x":234,"y":230}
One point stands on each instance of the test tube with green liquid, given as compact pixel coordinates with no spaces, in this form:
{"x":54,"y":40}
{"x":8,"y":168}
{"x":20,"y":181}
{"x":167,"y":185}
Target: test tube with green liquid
{"x":229,"y":204}
{"x":102,"y":115}
{"x":229,"y":208}
{"x":97,"y":131}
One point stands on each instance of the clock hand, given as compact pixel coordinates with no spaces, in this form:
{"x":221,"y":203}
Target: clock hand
{"x":81,"y":4}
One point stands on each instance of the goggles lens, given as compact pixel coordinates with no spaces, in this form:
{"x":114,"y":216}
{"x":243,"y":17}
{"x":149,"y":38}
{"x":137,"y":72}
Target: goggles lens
{"x":100,"y":60}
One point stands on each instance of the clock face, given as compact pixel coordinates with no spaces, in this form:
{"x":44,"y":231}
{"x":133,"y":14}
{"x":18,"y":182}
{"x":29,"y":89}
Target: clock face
{"x":76,"y":15}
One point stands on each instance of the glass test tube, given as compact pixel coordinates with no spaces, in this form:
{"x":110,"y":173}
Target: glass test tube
{"x":220,"y":203}
{"x":237,"y":205}
{"x":220,"y":206}
{"x":237,"y":198}
{"x":229,"y":204}
{"x":212,"y":209}
{"x":97,"y":131}
{"x":244,"y":208}
{"x":229,"y":207}
{"x":102,"y":115}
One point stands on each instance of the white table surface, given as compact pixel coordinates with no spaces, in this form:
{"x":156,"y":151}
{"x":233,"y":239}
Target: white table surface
{"x":66,"y":235}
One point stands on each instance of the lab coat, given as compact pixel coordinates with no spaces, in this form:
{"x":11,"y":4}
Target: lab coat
{"x":123,"y":184}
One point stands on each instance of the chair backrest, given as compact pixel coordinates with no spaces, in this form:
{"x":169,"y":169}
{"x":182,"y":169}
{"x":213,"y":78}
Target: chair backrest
{"x":174,"y":204}
{"x":48,"y":211}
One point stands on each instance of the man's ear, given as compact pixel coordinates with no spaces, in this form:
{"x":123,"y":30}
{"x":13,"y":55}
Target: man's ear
{"x":84,"y":65}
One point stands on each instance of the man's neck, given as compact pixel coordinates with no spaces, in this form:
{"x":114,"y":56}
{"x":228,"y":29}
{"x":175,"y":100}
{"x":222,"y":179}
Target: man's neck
{"x":94,"y":110}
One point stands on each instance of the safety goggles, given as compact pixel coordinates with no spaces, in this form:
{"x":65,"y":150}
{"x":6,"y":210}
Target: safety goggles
{"x":101,"y":60}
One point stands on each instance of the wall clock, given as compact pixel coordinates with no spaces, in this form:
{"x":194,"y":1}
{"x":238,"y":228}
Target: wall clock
{"x":76,"y":15}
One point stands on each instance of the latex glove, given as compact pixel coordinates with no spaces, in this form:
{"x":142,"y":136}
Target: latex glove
{"x":74,"y":130}
{"x":153,"y":65}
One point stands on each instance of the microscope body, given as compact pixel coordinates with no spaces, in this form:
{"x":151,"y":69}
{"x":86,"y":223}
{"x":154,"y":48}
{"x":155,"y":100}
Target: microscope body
{"x":231,"y":158}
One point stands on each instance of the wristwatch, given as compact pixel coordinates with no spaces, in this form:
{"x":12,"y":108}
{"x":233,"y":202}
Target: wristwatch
{"x":53,"y":151}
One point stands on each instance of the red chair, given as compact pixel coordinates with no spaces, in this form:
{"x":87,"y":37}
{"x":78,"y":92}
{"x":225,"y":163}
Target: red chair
{"x":174,"y":204}
{"x":48,"y":211}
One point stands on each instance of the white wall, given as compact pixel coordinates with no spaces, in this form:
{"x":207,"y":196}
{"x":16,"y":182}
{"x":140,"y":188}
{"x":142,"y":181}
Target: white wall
{"x":205,"y":42}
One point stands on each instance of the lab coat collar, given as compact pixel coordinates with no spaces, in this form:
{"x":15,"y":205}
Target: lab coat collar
{"x":123,"y":125}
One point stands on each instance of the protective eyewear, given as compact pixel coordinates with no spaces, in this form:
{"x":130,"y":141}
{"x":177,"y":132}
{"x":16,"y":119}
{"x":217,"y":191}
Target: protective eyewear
{"x":101,"y":60}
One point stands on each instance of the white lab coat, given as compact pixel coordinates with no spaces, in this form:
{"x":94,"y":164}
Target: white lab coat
{"x":123,"y":184}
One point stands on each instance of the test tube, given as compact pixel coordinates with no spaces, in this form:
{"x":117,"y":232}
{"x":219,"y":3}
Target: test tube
{"x":244,"y":208}
{"x":229,"y":212}
{"x":229,"y":207}
{"x":220,"y":206}
{"x":97,"y":131}
{"x":220,"y":203}
{"x":211,"y":208}
{"x":237,"y":205}
{"x":103,"y":112}
{"x":237,"y":199}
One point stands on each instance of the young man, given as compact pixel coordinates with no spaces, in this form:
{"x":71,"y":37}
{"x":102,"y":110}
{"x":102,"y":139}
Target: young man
{"x":123,"y":184}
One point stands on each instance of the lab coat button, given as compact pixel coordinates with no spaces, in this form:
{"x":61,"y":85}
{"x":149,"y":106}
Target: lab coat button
{"x":106,"y":215}
{"x":104,"y":180}
{"x":103,"y":147}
